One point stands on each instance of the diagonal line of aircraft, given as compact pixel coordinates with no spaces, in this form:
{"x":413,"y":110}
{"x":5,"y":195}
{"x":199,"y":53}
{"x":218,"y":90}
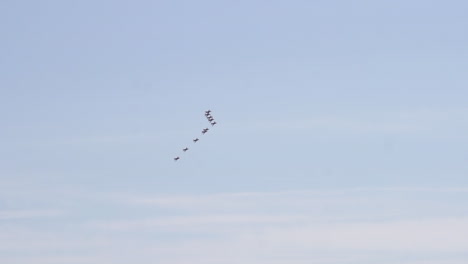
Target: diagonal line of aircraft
{"x":210,"y":119}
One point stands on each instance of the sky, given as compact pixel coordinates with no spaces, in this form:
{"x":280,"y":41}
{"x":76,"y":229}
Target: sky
{"x":341,"y":132}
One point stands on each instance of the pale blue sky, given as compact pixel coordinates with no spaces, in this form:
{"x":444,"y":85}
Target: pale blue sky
{"x":341,"y":133}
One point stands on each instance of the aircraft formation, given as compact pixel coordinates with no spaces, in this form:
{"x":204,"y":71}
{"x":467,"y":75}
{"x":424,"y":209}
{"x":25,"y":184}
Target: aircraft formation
{"x":210,"y":119}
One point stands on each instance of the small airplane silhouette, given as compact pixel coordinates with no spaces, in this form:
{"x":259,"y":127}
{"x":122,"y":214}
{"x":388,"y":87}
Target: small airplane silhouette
{"x":195,"y":140}
{"x":210,"y":119}
{"x":205,"y":130}
{"x":213,"y":123}
{"x":176,"y":158}
{"x":185,"y":149}
{"x":207,"y":112}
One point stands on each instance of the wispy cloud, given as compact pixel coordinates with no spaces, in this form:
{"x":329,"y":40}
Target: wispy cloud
{"x":358,"y":225}
{"x":411,"y":122}
{"x":28,"y":214}
{"x":300,"y":200}
{"x":444,"y":234}
{"x":194,"y":223}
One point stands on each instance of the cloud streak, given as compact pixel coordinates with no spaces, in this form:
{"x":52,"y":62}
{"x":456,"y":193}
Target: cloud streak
{"x":358,"y":225}
{"x":428,"y":122}
{"x":29,"y":214}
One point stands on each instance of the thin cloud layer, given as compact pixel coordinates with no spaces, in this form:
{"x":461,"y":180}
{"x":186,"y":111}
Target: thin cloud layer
{"x":28,"y":214}
{"x":357,"y":225}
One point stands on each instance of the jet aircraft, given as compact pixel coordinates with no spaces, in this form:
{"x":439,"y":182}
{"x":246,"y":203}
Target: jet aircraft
{"x":210,"y":119}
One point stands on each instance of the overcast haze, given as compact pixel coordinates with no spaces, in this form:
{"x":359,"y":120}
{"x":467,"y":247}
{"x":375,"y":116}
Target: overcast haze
{"x":341,"y":136}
